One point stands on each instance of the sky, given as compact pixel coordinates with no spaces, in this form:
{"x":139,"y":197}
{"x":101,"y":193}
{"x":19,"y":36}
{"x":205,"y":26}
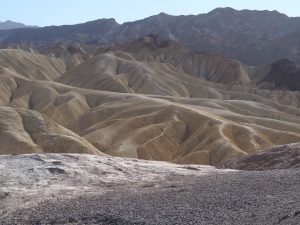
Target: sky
{"x":59,"y":12}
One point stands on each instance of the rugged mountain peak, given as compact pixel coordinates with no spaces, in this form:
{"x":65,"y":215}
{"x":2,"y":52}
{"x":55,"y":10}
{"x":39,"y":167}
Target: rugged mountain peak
{"x":220,"y":10}
{"x":163,"y":14}
{"x":9,"y":22}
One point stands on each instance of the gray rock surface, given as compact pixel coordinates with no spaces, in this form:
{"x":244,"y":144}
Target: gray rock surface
{"x":85,"y":189}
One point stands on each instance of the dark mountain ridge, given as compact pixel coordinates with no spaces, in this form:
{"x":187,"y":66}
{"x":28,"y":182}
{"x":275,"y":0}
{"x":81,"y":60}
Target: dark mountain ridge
{"x":84,"y":33}
{"x":251,"y":36}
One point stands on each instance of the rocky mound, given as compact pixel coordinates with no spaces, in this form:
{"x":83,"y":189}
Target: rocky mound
{"x":283,"y":74}
{"x":279,"y":157}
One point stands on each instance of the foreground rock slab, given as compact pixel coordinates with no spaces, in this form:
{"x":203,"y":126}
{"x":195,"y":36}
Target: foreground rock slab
{"x":86,"y":189}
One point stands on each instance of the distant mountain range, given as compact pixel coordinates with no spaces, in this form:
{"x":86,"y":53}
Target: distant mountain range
{"x":253,"y":37}
{"x":7,"y":25}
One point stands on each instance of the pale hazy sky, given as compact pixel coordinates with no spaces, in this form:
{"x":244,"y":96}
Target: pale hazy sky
{"x":57,"y":12}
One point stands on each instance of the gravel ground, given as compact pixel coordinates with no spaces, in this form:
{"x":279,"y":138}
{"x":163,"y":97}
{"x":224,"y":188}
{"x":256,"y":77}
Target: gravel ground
{"x":179,"y":196}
